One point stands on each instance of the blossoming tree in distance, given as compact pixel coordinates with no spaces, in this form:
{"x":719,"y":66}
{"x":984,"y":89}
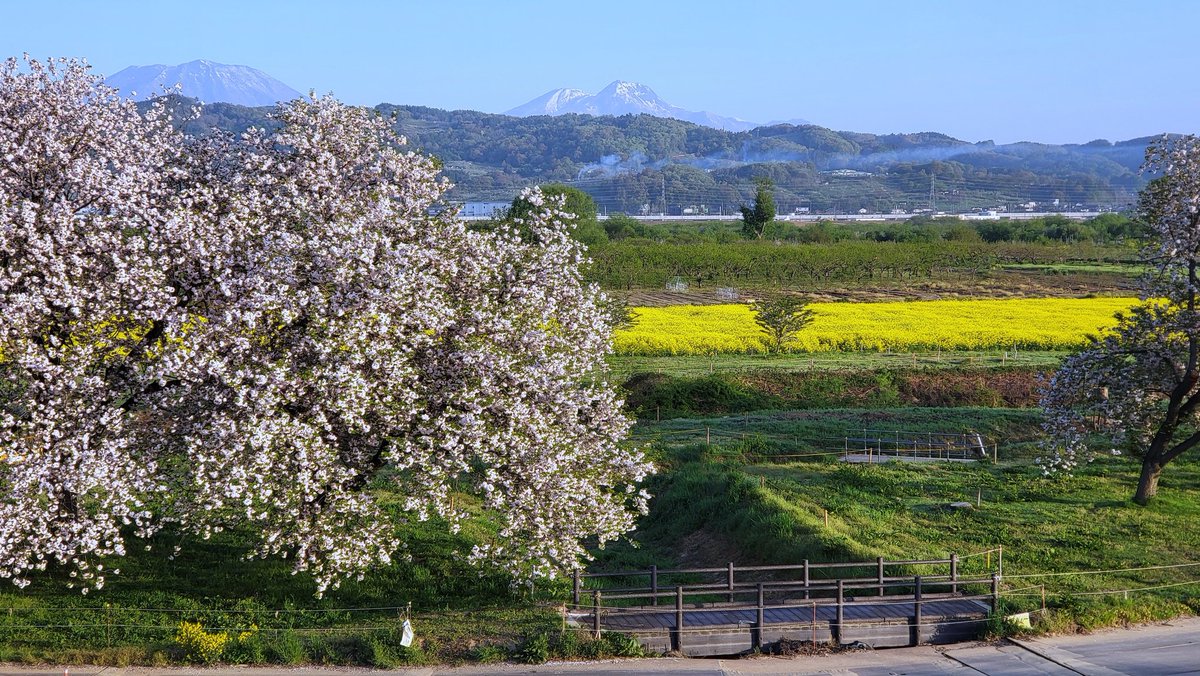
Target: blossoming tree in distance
{"x":1139,"y":384}
{"x":252,"y":331}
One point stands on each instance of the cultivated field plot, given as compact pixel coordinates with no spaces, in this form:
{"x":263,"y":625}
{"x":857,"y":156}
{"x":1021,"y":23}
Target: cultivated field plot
{"x":1024,"y":324}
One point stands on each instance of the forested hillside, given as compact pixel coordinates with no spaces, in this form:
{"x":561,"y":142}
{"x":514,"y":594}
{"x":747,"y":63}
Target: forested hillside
{"x":658,"y":165}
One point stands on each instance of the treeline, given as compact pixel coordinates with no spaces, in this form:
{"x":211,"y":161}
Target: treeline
{"x":630,"y":265}
{"x":943,"y":185}
{"x":1109,"y":229}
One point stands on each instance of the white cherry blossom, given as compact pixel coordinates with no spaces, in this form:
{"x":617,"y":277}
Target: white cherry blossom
{"x":1138,"y":386}
{"x":252,"y":332}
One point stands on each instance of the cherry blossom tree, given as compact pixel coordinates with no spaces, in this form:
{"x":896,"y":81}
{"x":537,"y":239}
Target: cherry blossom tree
{"x":251,"y":331}
{"x":1138,"y":386}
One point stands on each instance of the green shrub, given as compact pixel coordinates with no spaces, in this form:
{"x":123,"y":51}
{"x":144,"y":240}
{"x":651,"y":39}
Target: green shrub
{"x":245,"y":648}
{"x":535,"y":649}
{"x":285,"y":648}
{"x":624,"y":645}
{"x":489,"y":653}
{"x":567,"y":644}
{"x":198,"y":645}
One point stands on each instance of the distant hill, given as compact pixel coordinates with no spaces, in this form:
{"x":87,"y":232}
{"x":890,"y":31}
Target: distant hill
{"x":622,"y":98}
{"x":637,"y":163}
{"x":206,"y":81}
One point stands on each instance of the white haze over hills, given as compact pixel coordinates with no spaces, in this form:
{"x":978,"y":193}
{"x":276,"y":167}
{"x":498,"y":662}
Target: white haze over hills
{"x":207,"y":81}
{"x":624,"y":98}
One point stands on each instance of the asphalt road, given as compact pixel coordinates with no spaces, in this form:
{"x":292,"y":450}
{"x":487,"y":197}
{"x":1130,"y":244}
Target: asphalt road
{"x":1155,"y":650}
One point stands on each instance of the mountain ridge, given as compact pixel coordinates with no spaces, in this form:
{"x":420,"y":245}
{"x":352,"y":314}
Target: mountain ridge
{"x":629,"y":161}
{"x":622,"y":97}
{"x":204,"y":80}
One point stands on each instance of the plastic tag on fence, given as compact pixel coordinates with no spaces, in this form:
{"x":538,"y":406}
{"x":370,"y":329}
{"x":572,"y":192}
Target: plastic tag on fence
{"x":406,"y":637}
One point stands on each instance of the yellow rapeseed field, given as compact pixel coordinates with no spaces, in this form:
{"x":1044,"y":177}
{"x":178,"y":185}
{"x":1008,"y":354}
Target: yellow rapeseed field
{"x":1030,"y":323}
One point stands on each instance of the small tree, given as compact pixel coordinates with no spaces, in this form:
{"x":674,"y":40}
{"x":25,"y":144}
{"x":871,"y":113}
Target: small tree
{"x":781,"y":317}
{"x":1138,"y":386}
{"x":756,"y":218}
{"x":584,"y":227}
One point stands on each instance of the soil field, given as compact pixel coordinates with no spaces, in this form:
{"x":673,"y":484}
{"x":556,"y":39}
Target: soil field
{"x":1007,"y":284}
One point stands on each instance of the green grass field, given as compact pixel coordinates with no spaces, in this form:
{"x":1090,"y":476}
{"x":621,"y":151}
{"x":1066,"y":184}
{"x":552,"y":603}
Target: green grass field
{"x":1093,"y":268}
{"x":457,"y":609}
{"x":624,"y":365}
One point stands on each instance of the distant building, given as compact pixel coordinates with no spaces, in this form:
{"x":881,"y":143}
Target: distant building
{"x":483,"y":209}
{"x":847,"y":173}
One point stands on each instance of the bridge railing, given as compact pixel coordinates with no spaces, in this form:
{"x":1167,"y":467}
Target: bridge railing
{"x":914,"y":592}
{"x":812,"y":580}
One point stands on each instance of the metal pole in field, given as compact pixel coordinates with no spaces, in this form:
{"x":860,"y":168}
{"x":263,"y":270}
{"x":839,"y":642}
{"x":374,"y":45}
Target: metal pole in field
{"x":954,"y":574}
{"x":596,"y":613}
{"x":679,"y":619}
{"x":729,"y":581}
{"x":760,"y":619}
{"x":917,"y":610}
{"x":841,"y":609}
{"x":654,"y":584}
{"x":576,"y":587}
{"x":879,"y":573}
{"x":806,"y":578}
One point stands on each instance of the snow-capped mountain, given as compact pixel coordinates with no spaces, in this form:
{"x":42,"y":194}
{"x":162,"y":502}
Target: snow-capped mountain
{"x":551,"y":103}
{"x":622,"y":98}
{"x":205,"y":80}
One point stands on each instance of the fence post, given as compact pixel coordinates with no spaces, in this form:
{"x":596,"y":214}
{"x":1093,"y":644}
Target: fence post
{"x":679,"y":619}
{"x":841,"y":610}
{"x":917,"y":610}
{"x":596,"y":613}
{"x":954,"y":574}
{"x":806,"y":579}
{"x":995,"y":593}
{"x":575,"y":588}
{"x":759,"y":619}
{"x":879,"y":571}
{"x":729,"y":580}
{"x":654,"y":584}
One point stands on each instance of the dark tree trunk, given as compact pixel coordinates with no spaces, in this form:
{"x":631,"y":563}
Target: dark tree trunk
{"x":1148,"y":481}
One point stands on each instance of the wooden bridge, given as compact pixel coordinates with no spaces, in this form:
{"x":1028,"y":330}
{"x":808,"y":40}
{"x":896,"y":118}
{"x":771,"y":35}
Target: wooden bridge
{"x":735,"y":609}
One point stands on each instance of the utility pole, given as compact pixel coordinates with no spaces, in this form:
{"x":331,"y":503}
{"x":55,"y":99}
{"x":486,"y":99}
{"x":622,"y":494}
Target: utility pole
{"x":932,"y":199}
{"x":664,"y":194}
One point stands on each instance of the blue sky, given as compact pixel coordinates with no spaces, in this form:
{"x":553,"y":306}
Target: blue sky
{"x":1052,"y":70}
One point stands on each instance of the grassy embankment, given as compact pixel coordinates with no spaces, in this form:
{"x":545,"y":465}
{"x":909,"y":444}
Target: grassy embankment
{"x":258,"y":612}
{"x":761,"y":490}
